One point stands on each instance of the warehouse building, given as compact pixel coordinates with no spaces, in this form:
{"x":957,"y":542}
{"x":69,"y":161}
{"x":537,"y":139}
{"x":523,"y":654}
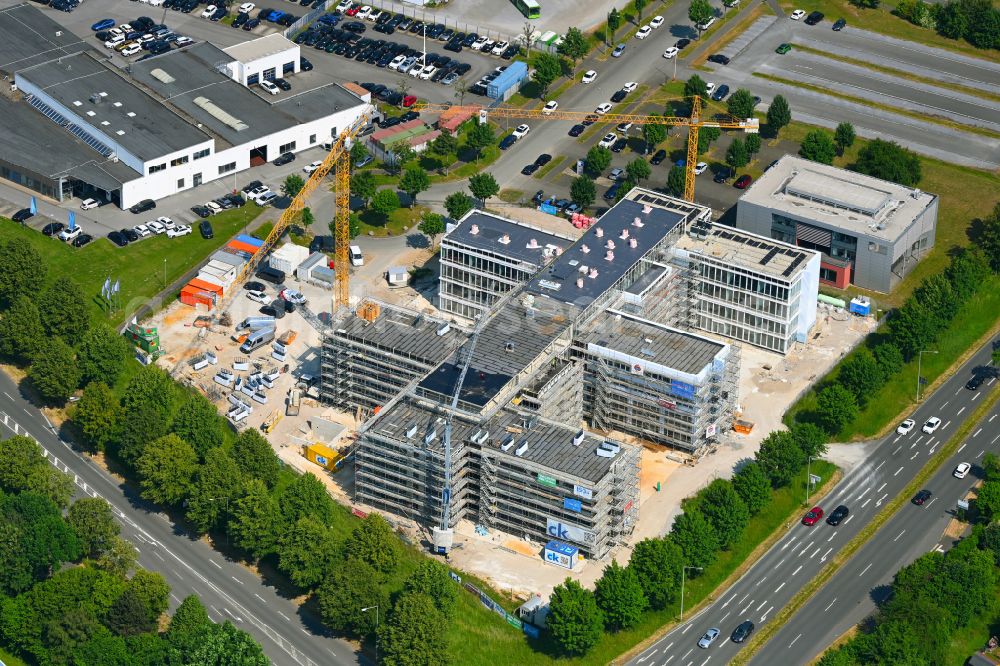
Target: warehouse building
{"x":168,"y":124}
{"x":870,"y":232}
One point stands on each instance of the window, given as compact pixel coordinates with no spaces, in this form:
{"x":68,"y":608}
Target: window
{"x":287,"y":148}
{"x":878,"y":248}
{"x":827,"y":274}
{"x":227,"y":168}
{"x":312,"y":139}
{"x":177,"y":161}
{"x":157,"y":167}
{"x":180,"y":183}
{"x":202,"y":153}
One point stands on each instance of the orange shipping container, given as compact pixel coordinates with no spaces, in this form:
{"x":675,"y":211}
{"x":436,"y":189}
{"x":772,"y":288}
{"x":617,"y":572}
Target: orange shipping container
{"x":245,"y":247}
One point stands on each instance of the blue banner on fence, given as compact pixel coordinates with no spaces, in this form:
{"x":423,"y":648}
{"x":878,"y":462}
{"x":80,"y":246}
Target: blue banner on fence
{"x":530,"y":630}
{"x":33,"y":206}
{"x":455,"y":577}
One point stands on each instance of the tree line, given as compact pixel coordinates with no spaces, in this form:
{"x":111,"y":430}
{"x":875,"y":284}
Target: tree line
{"x":937,"y":596}
{"x":713,"y":521}
{"x":913,"y":327}
{"x":69,"y":589}
{"x":975,"y":21}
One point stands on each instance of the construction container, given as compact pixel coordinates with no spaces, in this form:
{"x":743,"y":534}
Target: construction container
{"x":322,"y":455}
{"x":250,"y":240}
{"x":242,"y":247}
{"x":509,"y":81}
{"x":294,"y":402}
{"x":288,"y":257}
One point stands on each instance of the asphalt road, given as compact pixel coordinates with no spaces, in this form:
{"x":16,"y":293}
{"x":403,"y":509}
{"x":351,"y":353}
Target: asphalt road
{"x":801,"y":553}
{"x":190,"y":566}
{"x":852,"y":593}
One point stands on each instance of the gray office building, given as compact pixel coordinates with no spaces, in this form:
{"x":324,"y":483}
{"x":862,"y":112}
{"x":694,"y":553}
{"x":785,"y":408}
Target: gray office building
{"x":871,"y":232}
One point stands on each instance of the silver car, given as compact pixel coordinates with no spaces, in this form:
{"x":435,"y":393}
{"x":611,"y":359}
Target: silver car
{"x":709,"y":638}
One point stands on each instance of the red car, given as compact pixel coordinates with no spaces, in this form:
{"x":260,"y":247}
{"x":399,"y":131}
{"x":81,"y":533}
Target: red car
{"x":743,"y":182}
{"x":353,"y":10}
{"x":814,"y":514}
{"x":409,"y":101}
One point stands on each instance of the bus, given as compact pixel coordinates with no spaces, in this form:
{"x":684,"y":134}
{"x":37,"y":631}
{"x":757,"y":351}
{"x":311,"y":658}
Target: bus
{"x":530,"y":8}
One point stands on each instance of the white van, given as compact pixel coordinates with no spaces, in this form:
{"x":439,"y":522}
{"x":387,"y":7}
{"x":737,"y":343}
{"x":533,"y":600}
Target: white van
{"x":257,"y":339}
{"x":357,"y":259}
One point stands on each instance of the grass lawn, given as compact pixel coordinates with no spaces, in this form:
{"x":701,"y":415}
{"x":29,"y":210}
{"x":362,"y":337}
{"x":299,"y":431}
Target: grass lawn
{"x":140,"y":266}
{"x":10,"y":659}
{"x":394,"y":224}
{"x":881,"y":20}
{"x":967,"y":640}
{"x":510,"y":196}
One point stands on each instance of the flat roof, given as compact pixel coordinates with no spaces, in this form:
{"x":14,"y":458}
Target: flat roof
{"x":549,"y":445}
{"x":254,"y":49}
{"x":28,"y":37}
{"x":97,"y":93}
{"x":656,"y":343}
{"x":837,"y":198}
{"x":488,"y":232}
{"x":411,"y":333}
{"x":742,"y":248}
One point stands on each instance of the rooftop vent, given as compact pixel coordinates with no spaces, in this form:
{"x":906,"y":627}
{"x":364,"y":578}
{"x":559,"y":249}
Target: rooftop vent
{"x":480,"y":437}
{"x":443,"y":329}
{"x":579,"y":283}
{"x":593,"y":273}
{"x":578,"y":438}
{"x":431,"y":436}
{"x":610,"y":244}
{"x":213,"y":110}
{"x":505,"y":239}
{"x":532,"y":244}
{"x":624,"y":234}
{"x":509,"y":346}
{"x":507,"y":443}
{"x":647,"y":209}
{"x":584,"y":248}
{"x":411,"y":431}
{"x":582,"y":268}
{"x":522,"y":449}
{"x":474,"y":229}
{"x":633,"y":243}
{"x":77,"y":103}
{"x":609,"y":256}
{"x":637,"y":223}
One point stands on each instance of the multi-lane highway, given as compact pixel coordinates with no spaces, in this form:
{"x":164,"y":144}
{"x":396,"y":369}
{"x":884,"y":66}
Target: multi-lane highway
{"x":801,"y":553}
{"x":190,"y":566}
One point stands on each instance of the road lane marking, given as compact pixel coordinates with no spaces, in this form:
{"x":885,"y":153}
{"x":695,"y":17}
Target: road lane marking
{"x":789,"y":543}
{"x":259,"y":597}
{"x":686,"y":630}
{"x":901,"y":534}
{"x":284,"y":616}
{"x":866,"y":502}
{"x":915,"y":454}
{"x":881,"y":499}
{"x":931,"y":502}
{"x":918,"y":439}
{"x":961,"y":447}
{"x":826,"y":554}
{"x":762,"y":580}
{"x":946,"y":424}
{"x":647,"y":655}
{"x":831,"y":537}
{"x":743,"y":599}
{"x":879,"y":466}
{"x":864,"y":570}
{"x":725,"y":616}
{"x":976,"y":396}
{"x":237,"y":580}
{"x":8,"y":396}
{"x":730,"y":600}
{"x":158,"y":556}
{"x":831,"y":604}
{"x":816,"y":553}
{"x":687,"y":653}
{"x":881,"y":487}
{"x":745,"y":610}
{"x":992,"y":417}
{"x":946,"y":403}
{"x":995,"y":438}
{"x":778,"y":589}
{"x":898,"y":471}
{"x":214,"y":562}
{"x":977,"y":432}
{"x":706,"y":660}
{"x":762,"y":604}
{"x":981,"y":453}
{"x":668,"y":660}
{"x":797,"y":570}
{"x":863,"y":493}
{"x":897,"y":450}
{"x":669,"y":646}
{"x":793,"y":641}
{"x":960,"y":411}
{"x":931,"y":452}
{"x":763,"y":618}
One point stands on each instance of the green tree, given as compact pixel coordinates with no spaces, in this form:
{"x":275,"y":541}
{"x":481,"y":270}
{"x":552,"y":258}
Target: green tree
{"x":166,"y":470}
{"x":843,"y":137}
{"x":574,"y":620}
{"x":344,"y":592}
{"x":225,"y":645}
{"x":292,"y":185}
{"x":307,"y":552}
{"x":624,"y":187}
{"x":54,"y":372}
{"x":619,"y":595}
{"x":150,"y":386}
{"x":307,"y":218}
{"x":444,"y":144}
{"x":358,"y":152}
{"x":98,"y":415}
{"x":21,"y":331}
{"x":94,"y":523}
{"x":675,"y":181}
{"x":968,"y":270}
{"x":479,"y":136}
{"x":255,"y":521}
{"x":835,"y":408}
{"x":696,"y":538}
{"x":385,"y":202}
{"x":818,"y":146}
{"x":483,"y":186}
{"x":373,"y":542}
{"x":696,"y":86}
{"x":866,"y":4}
{"x":431,"y":225}
{"x":402,"y":152}
{"x":139,"y":427}
{"x":24,"y":469}
{"x":991,"y":467}
{"x":614,"y":22}
{"x":889,"y":161}
{"x":912,"y":328}
{"x":753,"y":486}
{"x":128,"y":615}
{"x":737,"y":155}
{"x":861,"y":374}
{"x":189,"y":626}
{"x":102,"y":355}
{"x":597,"y":161}
{"x":118,"y":557}
{"x":725,"y":510}
{"x":780,"y":457}
{"x":779,"y":114}
{"x":63,"y":310}
{"x":457,"y":204}
{"x":741,"y":104}
{"x":810,"y":439}
{"x":952,"y":21}
{"x":65,"y":635}
{"x":547,"y":69}
{"x":582,"y":191}
{"x":353,"y":226}
{"x":414,"y":181}
{"x":654,"y":134}
{"x":638,"y":169}
{"x":306,"y":496}
{"x":152,"y":590}
{"x":255,"y":457}
{"x":197,"y":423}
{"x":36,"y":542}
{"x":574,"y":45}
{"x":415,"y":633}
{"x":657,"y":563}
{"x":434,"y":580}
{"x":363,"y":185}
{"x":988,"y":500}
{"x":700,"y":11}
{"x":217,"y":484}
{"x":23,"y":269}
{"x":753,"y":143}
{"x":705,"y":138}
{"x":889,"y":358}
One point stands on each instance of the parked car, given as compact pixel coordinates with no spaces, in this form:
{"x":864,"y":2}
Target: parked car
{"x":783,"y":48}
{"x":797,"y":14}
{"x":143,"y":206}
{"x":576,"y":130}
{"x":658,"y":157}
{"x":22,"y":215}
{"x":312,"y":166}
{"x":82,"y":240}
{"x":205,"y":227}
{"x":293,"y":296}
{"x":87,"y":204}
{"x":269,"y":87}
{"x":258,"y":296}
{"x":839,"y":25}
{"x":118,"y":238}
{"x":284,"y":158}
{"x":619,"y":50}
{"x":179,"y":230}
{"x":507,"y":142}
{"x":53,"y":228}
{"x":814,"y":18}
{"x":719,"y":59}
{"x":67,"y":234}
{"x":743,"y":182}
{"x":671,"y":52}
{"x":589,"y":76}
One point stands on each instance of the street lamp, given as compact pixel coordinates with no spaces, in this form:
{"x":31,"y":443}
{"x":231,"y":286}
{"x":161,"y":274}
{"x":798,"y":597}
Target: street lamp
{"x":683,"y":573}
{"x":365,"y":610}
{"x":809,"y":460}
{"x":920,"y":358}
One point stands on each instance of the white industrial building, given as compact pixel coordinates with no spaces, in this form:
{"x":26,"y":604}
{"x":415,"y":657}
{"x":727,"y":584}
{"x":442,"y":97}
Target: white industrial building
{"x":263,"y":59}
{"x":169,"y":124}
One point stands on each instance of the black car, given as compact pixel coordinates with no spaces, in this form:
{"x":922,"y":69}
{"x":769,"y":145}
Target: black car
{"x":543,"y":159}
{"x":719,"y":59}
{"x":201,"y":211}
{"x":143,"y":206}
{"x":118,"y":238}
{"x":355,"y":27}
{"x":284,"y":158}
{"x":839,"y":25}
{"x":658,"y":157}
{"x":814,"y":18}
{"x":539,"y":196}
{"x":681,"y":43}
{"x":389,"y":122}
{"x":742,"y":632}
{"x":53,"y":228}
{"x":720,"y":93}
{"x":22,"y":215}
{"x":454,"y":47}
{"x":619,"y":96}
{"x":463,"y":68}
{"x":283,"y":84}
{"x":469,"y":39}
{"x":619,"y":145}
{"x":612,"y":192}
{"x":131,"y":234}
{"x":255,"y":286}
{"x":507,"y":142}
{"x":529,"y":169}
{"x":322,"y":244}
{"x":273,"y":311}
{"x":409,"y":115}
{"x":251,"y":24}
{"x":576,"y":130}
{"x":205,"y":227}
{"x":837,"y":515}
{"x":240,"y":20}
{"x":975,"y":382}
{"x":723,"y":176}
{"x":305,"y":65}
{"x":510,"y":52}
{"x":921,"y":497}
{"x":82,"y":240}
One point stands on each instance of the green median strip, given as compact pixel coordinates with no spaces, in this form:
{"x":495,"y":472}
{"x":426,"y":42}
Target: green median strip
{"x":854,"y":545}
{"x":937,"y":120}
{"x":544,"y":171}
{"x":634,"y":97}
{"x":898,"y":73}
